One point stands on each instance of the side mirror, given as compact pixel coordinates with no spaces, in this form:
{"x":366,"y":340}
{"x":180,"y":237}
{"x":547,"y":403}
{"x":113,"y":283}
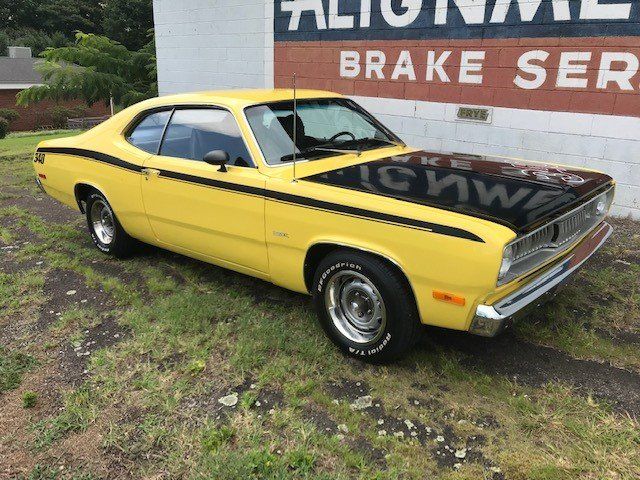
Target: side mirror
{"x":217,"y":157}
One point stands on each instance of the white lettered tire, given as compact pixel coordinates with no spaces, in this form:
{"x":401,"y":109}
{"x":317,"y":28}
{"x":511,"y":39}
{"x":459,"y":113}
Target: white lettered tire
{"x":105,"y":229}
{"x":365,"y":306}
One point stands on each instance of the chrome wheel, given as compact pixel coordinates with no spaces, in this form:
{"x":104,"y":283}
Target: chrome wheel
{"x":102,"y":222}
{"x":356,"y":307}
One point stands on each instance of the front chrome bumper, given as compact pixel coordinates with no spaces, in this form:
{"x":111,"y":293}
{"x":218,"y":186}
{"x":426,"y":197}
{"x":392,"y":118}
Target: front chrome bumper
{"x":490,"y":320}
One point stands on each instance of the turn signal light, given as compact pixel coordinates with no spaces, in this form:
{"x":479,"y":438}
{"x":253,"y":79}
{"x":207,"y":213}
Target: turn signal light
{"x":449,"y":298}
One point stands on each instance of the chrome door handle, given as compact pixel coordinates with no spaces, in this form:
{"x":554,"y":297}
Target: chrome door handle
{"x":150,"y":172}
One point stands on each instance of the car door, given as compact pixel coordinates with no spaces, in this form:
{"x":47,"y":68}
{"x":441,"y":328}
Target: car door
{"x":197,"y":207}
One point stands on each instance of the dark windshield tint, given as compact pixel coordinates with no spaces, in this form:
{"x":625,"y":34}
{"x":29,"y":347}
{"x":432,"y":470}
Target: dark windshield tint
{"x":148,"y":133}
{"x":334,"y":123}
{"x":192,"y":133}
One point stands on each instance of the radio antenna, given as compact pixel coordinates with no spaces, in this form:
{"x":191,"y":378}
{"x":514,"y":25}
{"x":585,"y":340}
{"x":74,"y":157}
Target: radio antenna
{"x":295,"y":126}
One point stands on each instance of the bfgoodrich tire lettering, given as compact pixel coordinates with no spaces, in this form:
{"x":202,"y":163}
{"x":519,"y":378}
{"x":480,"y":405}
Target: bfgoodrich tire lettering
{"x":105,"y":229}
{"x":365,"y":306}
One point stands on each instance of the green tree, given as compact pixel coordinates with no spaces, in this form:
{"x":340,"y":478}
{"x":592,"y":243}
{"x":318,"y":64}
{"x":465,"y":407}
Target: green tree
{"x":94,"y":69}
{"x":37,"y":40}
{"x":127,"y":21}
{"x":51,"y":16}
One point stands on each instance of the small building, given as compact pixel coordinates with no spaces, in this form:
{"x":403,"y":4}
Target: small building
{"x":17,"y":73}
{"x":552,"y":81}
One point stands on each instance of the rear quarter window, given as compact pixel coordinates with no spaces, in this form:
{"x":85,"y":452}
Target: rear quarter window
{"x":147,"y":134}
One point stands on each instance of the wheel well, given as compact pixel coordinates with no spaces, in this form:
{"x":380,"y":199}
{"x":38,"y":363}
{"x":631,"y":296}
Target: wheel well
{"x":317,"y":252}
{"x":82,"y":191}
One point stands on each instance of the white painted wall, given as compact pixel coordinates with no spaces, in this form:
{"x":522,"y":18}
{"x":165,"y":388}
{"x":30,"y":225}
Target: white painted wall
{"x":221,"y":44}
{"x":213,"y":44}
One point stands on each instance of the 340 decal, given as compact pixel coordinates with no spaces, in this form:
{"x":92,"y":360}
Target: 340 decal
{"x":38,"y":157}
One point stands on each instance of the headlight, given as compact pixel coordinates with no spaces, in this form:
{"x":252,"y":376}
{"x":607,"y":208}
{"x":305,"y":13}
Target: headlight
{"x":602,"y":204}
{"x":507,"y":260}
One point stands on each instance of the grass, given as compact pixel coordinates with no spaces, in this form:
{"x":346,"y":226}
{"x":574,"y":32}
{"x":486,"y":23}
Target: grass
{"x":19,"y":292}
{"x":78,"y":412}
{"x":29,"y":399}
{"x":13,"y":365}
{"x":600,"y":300}
{"x":192,"y":333}
{"x":23,"y":143}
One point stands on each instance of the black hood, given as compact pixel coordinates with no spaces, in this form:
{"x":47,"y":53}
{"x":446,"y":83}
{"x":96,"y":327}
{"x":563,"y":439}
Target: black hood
{"x":516,"y":194}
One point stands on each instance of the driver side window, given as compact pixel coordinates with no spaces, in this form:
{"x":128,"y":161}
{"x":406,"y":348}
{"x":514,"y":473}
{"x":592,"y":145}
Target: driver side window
{"x":192,"y":133}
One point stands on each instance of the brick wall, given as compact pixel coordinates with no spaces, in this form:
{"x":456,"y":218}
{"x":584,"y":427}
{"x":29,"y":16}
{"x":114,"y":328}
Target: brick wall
{"x":559,"y":79}
{"x":35,"y":116}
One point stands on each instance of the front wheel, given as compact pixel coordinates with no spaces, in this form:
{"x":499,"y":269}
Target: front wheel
{"x":105,"y":229}
{"x":365,"y":306}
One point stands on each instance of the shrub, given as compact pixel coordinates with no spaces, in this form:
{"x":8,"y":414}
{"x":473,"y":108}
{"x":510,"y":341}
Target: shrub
{"x":4,"y":127}
{"x":29,"y":399}
{"x":9,"y":114}
{"x":60,"y":114}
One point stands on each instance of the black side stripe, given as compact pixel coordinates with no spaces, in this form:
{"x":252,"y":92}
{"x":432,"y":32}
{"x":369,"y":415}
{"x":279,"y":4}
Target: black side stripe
{"x":100,"y":157}
{"x":372,"y":215}
{"x":214,"y":183}
{"x":274,"y":195}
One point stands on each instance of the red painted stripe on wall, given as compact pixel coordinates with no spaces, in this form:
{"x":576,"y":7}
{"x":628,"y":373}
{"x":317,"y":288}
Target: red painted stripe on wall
{"x":586,"y":75}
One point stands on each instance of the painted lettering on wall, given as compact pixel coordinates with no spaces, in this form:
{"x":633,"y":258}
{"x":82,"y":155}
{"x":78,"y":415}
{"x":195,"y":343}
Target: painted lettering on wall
{"x":563,"y":55}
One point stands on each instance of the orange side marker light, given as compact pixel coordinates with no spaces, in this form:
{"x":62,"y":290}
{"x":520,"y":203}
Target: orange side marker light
{"x":449,"y":298}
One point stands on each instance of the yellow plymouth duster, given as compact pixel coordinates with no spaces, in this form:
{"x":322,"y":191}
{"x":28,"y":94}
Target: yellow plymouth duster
{"x":312,"y":193}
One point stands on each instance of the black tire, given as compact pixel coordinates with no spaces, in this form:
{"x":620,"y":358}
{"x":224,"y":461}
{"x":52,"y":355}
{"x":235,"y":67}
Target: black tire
{"x":394,"y":336}
{"x":121,"y":244}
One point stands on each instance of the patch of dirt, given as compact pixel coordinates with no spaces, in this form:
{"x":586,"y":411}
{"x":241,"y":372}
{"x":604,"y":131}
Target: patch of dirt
{"x":73,"y":359}
{"x":537,"y":365}
{"x":65,"y":289}
{"x":620,"y":337}
{"x":268,"y":399}
{"x":16,"y":329}
{"x":170,"y":361}
{"x":347,"y":389}
{"x":363,"y":445}
{"x":83,"y":449}
{"x":448,"y":450}
{"x":16,"y":438}
{"x":211,"y":406}
{"x":320,"y":418}
{"x":50,"y":211}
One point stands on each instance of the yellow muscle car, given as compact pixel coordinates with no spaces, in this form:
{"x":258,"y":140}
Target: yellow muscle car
{"x":313,"y":194}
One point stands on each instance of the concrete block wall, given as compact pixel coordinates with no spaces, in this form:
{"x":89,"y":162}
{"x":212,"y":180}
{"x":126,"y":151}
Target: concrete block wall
{"x":213,"y":44}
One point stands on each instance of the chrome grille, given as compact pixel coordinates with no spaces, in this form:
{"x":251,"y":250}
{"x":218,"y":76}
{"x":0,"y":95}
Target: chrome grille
{"x":571,"y":227}
{"x":532,"y":243}
{"x":558,"y":235}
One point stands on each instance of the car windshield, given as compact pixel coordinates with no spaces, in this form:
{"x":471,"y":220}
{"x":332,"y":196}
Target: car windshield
{"x":324,"y":127}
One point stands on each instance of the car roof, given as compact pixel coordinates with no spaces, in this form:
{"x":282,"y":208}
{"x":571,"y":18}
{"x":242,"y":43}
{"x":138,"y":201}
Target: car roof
{"x":239,"y":98}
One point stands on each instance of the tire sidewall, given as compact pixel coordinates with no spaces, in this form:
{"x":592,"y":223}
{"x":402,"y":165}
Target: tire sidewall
{"x":397,"y":311}
{"x":93,"y":197}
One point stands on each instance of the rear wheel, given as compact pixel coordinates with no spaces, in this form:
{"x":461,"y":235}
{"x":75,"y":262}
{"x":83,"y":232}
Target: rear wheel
{"x":365,"y":306}
{"x":105,"y":229}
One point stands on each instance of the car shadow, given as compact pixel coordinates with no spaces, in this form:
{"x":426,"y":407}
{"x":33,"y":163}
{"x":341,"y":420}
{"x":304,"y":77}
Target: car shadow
{"x":535,"y":365}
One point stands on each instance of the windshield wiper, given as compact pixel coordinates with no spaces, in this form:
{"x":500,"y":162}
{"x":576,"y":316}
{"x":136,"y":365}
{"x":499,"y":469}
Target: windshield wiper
{"x":380,"y":140}
{"x":391,"y":143}
{"x":328,"y":148}
{"x":305,"y":153}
